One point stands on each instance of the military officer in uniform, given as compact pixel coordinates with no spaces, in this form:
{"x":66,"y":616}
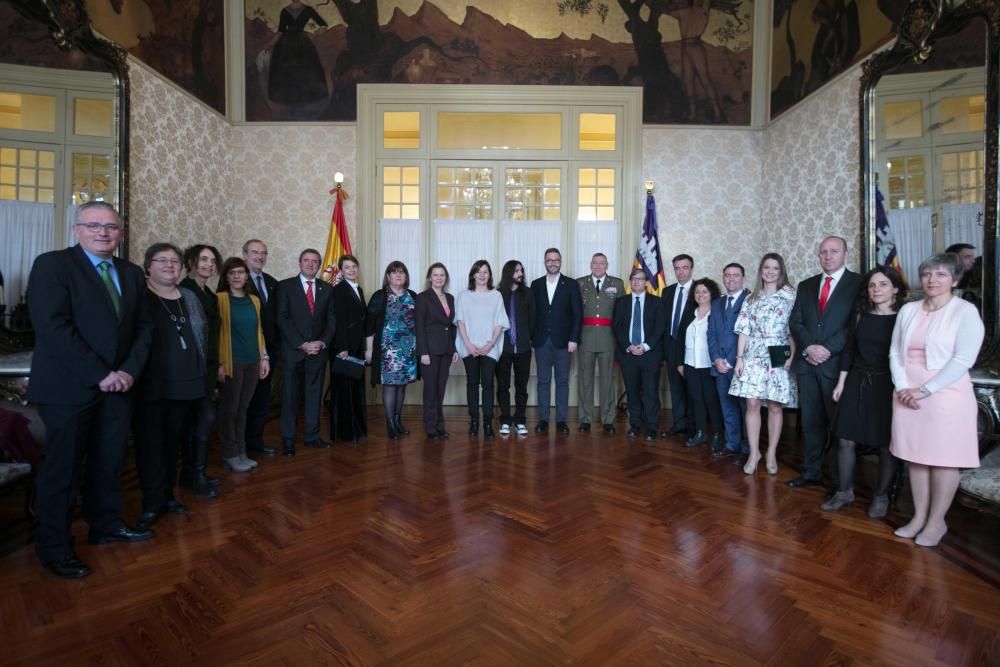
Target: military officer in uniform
{"x":597,"y":343}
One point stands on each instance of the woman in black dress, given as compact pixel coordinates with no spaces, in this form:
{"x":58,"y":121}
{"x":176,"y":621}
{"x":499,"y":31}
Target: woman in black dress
{"x":172,"y":383}
{"x":864,"y":391}
{"x":297,"y":75}
{"x":348,"y":411}
{"x":202,"y":262}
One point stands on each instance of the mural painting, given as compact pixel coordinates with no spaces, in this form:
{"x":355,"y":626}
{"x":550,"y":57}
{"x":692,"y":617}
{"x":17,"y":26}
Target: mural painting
{"x":27,"y":42}
{"x":815,"y":40}
{"x":184,"y":40}
{"x":692,"y":57}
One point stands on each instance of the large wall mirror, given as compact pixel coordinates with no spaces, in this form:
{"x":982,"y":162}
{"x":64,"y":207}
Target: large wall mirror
{"x":929,"y":146}
{"x":63,"y":138}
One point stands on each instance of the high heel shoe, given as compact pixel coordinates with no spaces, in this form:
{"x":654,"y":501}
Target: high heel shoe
{"x":390,"y":429}
{"x":926,"y":540}
{"x":772,"y":468}
{"x":751,"y":465}
{"x":400,"y":429}
{"x":840,"y":499}
{"x":908,"y":531}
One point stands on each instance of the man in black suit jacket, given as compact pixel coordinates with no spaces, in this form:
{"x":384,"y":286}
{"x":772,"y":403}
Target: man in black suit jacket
{"x":265,"y":287}
{"x":307,"y":324}
{"x":558,"y":313}
{"x":819,"y":322}
{"x":636,"y":348}
{"x":92,"y":338}
{"x":676,"y":304}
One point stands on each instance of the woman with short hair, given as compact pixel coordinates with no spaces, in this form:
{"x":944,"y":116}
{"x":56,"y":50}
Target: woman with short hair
{"x":348,"y":409}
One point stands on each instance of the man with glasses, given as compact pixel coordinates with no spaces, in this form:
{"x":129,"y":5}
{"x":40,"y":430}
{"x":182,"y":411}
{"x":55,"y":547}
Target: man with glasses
{"x":265,"y":287}
{"x":92,"y":338}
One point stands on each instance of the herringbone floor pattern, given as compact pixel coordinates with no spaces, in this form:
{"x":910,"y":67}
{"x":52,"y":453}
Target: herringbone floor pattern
{"x":585,"y":549}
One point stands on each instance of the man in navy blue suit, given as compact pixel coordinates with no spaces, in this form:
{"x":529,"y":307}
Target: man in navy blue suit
{"x":722,"y":351}
{"x":558,"y":313}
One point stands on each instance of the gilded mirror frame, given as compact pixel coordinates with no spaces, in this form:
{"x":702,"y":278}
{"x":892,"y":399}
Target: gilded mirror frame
{"x":922,"y":24}
{"x":70,"y":27}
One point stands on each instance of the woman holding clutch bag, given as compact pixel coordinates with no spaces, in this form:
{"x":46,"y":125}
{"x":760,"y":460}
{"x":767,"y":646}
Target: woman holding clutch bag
{"x":348,"y":409}
{"x":764,"y":340}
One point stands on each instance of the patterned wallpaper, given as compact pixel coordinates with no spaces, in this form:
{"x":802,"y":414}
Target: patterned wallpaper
{"x":811,"y":177}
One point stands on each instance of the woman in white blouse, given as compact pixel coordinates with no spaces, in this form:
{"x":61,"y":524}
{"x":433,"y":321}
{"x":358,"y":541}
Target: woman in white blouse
{"x":481,"y":320}
{"x":692,"y":347}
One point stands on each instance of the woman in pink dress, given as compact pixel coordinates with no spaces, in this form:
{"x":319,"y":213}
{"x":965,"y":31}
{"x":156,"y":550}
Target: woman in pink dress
{"x":934,"y":343}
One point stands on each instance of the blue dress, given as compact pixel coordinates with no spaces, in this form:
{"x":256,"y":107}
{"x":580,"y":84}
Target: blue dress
{"x":399,"y":340}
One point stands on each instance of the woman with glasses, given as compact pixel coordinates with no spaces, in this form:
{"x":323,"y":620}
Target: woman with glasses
{"x":243,"y":360}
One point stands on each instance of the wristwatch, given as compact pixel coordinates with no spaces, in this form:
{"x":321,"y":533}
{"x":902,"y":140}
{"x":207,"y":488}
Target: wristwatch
{"x":925,"y":391}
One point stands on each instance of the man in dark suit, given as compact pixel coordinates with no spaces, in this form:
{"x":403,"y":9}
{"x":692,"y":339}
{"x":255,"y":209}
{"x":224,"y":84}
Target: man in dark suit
{"x":819,"y":322}
{"x":722,"y":351}
{"x":676,"y":301}
{"x":307,"y":325}
{"x":638,"y":323}
{"x":92,"y":338}
{"x":558,"y":313}
{"x":265,"y":287}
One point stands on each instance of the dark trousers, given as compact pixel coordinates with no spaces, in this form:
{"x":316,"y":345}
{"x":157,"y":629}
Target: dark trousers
{"x":348,"y":410}
{"x":641,"y":376}
{"x":158,"y":427}
{"x":520,"y":363}
{"x":816,"y":410}
{"x":96,"y":432}
{"x":305,"y":376}
{"x":678,"y":388}
{"x":548,"y":359}
{"x":235,"y":395}
{"x":479,"y":372}
{"x":435,"y":376}
{"x":733,"y":409}
{"x":259,"y":410}
{"x":703,"y":398}
{"x":204,"y":418}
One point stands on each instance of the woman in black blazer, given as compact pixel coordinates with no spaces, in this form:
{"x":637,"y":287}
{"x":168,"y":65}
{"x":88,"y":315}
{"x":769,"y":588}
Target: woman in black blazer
{"x":695,"y":363}
{"x":348,"y":411}
{"x":435,"y":346}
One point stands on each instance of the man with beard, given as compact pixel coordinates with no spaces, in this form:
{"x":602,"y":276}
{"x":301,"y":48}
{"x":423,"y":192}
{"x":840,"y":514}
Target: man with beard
{"x":516,"y":353}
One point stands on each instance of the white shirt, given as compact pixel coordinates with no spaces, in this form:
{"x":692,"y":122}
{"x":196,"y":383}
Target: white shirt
{"x":480,"y":313}
{"x":551,"y":285}
{"x":305,"y":288}
{"x":673,"y":305}
{"x":354,"y":286}
{"x":696,"y":342}
{"x":836,"y":275}
{"x":594,"y":279}
{"x":642,"y":326}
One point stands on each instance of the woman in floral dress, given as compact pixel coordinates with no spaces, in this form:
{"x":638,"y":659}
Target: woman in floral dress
{"x":391,"y":343}
{"x":763,"y":323}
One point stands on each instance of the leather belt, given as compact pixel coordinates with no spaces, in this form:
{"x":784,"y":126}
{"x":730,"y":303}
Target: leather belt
{"x":597,"y":321}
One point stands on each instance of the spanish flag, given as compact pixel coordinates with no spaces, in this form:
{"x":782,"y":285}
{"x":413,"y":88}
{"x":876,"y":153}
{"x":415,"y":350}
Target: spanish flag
{"x":337,"y":244}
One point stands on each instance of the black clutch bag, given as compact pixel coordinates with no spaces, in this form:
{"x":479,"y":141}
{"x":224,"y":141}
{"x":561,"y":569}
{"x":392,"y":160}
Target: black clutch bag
{"x":779,"y":355}
{"x":349,"y":367}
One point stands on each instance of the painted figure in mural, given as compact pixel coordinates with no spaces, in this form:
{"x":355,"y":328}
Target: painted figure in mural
{"x":692,"y":19}
{"x":837,"y":42}
{"x":296,"y":75}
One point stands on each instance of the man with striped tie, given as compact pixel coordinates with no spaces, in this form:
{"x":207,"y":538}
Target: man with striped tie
{"x":265,"y":287}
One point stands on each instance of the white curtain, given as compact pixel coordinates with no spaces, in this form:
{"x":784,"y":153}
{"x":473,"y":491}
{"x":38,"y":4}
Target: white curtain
{"x":400,"y":240}
{"x":458,"y":244}
{"x":963,"y":223}
{"x":593,"y":236}
{"x":526,"y":241}
{"x":914,"y":239}
{"x":26,"y":230}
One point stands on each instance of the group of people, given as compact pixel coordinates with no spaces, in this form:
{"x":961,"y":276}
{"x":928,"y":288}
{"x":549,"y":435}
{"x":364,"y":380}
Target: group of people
{"x":120,"y":347}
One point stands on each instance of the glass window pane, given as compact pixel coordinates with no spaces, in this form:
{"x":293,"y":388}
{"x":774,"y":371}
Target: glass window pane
{"x":962,"y":114}
{"x":606,"y":177}
{"x":390,"y":211}
{"x":499,"y":131}
{"x":445,"y":175}
{"x":444,"y":212}
{"x":389,"y":174}
{"x":20,"y":111}
{"x":444,"y":194}
{"x":45,"y":195}
{"x":92,"y":118}
{"x":605,"y":213}
{"x":8,"y":192}
{"x":585,"y":213}
{"x":411,"y":212}
{"x":26,"y":177}
{"x":552,"y":177}
{"x":8,"y":156}
{"x":587,"y":197}
{"x":597,"y":131}
{"x":27,"y":158}
{"x":551,"y":213}
{"x":390,"y":194}
{"x":411,"y":194}
{"x":8,"y":175}
{"x":903,"y":120}
{"x":26,"y":194}
{"x":46,"y":159}
{"x":411,"y":175}
{"x":46,"y":178}
{"x":401,"y":129}
{"x":588,"y":177}
{"x":606,"y":197}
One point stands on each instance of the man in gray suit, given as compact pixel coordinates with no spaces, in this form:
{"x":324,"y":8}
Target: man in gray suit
{"x":597,"y":342}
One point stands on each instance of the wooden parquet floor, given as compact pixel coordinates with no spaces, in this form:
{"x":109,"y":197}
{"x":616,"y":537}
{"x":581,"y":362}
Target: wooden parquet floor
{"x":551,"y":550}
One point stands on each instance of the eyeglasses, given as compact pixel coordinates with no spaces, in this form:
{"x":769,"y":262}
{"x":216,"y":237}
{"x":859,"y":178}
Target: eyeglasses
{"x":167,"y":261}
{"x":96,"y":226}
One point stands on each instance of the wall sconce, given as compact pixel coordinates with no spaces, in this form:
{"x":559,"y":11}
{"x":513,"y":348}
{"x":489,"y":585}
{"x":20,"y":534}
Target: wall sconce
{"x":649,"y":187}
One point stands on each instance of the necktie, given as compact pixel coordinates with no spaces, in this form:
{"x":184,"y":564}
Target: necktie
{"x":824,"y":295}
{"x":636,"y":323}
{"x":729,"y":305}
{"x":109,"y":284}
{"x":598,"y":284}
{"x":260,"y":289}
{"x":309,"y":297}
{"x":678,"y":304}
{"x":513,"y":323}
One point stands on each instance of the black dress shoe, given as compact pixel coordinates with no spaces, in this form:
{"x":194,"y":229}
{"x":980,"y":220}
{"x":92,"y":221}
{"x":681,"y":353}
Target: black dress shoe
{"x":584,"y":427}
{"x":123,"y":534}
{"x":634,"y":432}
{"x":175,"y":506}
{"x":146,"y":520}
{"x":799,"y":482}
{"x":609,"y":428}
{"x":488,"y":430}
{"x":650,"y":436}
{"x":697,"y":439}
{"x":261,"y":449}
{"x":69,"y":567}
{"x":740,"y":459}
{"x":318,"y":443}
{"x":721,"y":452}
{"x":431,"y":436}
{"x":562,"y":427}
{"x":672,"y":431}
{"x":288,"y":448}
{"x":542,"y":427}
{"x":443,"y":434}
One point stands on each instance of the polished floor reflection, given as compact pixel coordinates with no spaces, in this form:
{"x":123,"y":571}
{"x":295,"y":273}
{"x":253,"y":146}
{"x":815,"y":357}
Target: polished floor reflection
{"x":584,"y":549}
